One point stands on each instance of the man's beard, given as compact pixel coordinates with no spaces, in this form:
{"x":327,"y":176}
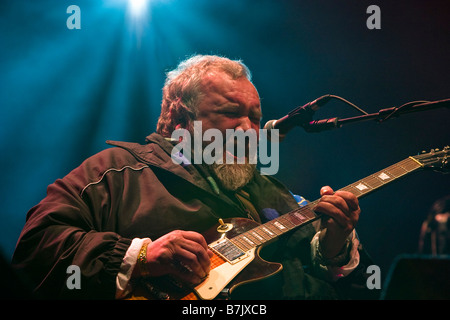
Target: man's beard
{"x":230,"y":176}
{"x":233,"y":176}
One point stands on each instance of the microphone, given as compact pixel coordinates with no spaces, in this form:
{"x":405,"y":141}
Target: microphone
{"x":300,"y":116}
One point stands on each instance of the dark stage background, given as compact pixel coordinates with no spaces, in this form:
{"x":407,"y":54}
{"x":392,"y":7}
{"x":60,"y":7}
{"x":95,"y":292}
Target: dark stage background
{"x":64,"y":92}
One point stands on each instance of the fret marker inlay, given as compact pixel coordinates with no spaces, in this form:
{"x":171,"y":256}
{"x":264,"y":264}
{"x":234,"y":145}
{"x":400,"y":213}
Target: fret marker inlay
{"x":383,"y":176}
{"x":279,"y":225}
{"x":268,"y":231}
{"x":361,"y":187}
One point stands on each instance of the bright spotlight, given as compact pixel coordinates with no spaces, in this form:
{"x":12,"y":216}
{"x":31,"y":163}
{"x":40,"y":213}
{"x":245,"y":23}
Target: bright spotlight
{"x":137,"y":8}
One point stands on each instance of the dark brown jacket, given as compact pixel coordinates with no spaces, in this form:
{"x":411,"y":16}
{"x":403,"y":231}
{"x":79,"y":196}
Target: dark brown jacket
{"x":90,"y":217}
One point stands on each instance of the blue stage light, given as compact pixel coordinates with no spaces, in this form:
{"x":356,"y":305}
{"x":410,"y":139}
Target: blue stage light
{"x":137,"y":8}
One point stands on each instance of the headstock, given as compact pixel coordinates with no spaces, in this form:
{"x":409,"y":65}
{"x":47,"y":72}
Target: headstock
{"x":436,"y":159}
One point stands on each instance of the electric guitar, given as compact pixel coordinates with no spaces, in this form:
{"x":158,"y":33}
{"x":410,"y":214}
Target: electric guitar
{"x":236,"y":242}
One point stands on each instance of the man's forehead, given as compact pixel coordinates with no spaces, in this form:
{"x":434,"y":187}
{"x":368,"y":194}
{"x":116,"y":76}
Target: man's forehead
{"x":215,"y":78}
{"x":222,"y":83}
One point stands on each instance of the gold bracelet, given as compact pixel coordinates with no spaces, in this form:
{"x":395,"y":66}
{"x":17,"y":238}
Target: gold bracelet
{"x":341,"y":259}
{"x":142,"y":260}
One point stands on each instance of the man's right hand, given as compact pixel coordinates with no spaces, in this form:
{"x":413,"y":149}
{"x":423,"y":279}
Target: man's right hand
{"x":183,"y":254}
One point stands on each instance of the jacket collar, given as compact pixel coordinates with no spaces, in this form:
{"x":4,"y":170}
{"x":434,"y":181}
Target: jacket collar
{"x":157,"y":153}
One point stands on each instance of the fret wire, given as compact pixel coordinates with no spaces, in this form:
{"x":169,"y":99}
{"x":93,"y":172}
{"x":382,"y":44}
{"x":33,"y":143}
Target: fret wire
{"x":277,"y":224}
{"x":285,"y":222}
{"x":374,"y":182}
{"x":310,"y":205}
{"x":408,"y":168}
{"x":347,"y":188}
{"x":412,"y":164}
{"x":355,"y":190}
{"x":377,"y":177}
{"x":404,"y":166}
{"x":241,"y":243}
{"x":249,"y":241}
{"x":268,"y":231}
{"x":305,"y":213}
{"x":393,"y":169}
{"x":384,"y":176}
{"x":293,"y":219}
{"x":247,"y":246}
{"x":296,"y":217}
{"x":258,"y":236}
{"x":308,"y":211}
{"x":362,"y":187}
{"x":251,"y":237}
{"x":367,"y":181}
{"x":409,"y":164}
{"x":306,"y":220}
{"x":272,"y":228}
{"x":398,"y":171}
{"x":263,"y":234}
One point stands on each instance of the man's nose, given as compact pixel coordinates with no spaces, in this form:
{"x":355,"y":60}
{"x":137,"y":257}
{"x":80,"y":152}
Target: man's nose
{"x":244,"y":124}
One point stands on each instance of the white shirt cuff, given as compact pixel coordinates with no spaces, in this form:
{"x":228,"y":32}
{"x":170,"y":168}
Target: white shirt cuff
{"x":334,"y":273}
{"x":123,"y":286}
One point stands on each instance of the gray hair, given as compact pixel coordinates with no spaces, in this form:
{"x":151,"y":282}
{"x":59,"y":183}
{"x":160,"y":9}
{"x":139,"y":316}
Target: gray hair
{"x":182,"y":89}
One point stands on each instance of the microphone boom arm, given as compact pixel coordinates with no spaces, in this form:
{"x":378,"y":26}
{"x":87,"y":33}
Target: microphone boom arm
{"x":380,"y":116}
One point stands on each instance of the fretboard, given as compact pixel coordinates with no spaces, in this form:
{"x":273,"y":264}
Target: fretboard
{"x":303,"y":215}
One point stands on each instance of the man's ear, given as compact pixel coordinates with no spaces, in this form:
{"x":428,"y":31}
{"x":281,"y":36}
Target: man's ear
{"x":179,"y":126}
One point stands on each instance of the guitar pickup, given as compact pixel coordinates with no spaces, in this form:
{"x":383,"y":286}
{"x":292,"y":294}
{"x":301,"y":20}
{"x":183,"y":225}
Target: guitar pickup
{"x":227,"y":250}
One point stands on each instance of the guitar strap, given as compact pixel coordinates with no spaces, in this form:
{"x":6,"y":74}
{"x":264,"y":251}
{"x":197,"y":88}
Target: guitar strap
{"x":245,"y":199}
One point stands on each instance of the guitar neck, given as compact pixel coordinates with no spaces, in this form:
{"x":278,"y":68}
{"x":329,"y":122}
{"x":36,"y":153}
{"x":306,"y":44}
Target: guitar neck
{"x":381,"y":178}
{"x":301,"y":216}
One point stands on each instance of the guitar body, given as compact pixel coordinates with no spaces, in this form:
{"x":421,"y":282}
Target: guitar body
{"x":227,"y":272}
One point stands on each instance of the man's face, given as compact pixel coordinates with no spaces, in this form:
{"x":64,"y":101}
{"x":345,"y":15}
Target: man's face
{"x":230,"y":104}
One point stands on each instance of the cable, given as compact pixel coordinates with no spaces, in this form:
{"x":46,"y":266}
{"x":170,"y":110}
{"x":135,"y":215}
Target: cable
{"x":349,"y":103}
{"x":408,"y":104}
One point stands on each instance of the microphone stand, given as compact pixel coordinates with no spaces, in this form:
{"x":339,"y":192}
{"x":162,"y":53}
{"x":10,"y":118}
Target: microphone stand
{"x":380,"y":116}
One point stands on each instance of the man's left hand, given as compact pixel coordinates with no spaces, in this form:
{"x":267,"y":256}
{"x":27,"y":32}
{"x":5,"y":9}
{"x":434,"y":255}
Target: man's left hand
{"x":341,"y":213}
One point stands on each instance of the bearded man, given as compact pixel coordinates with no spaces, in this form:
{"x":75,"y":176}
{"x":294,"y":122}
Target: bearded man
{"x":132,"y":213}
